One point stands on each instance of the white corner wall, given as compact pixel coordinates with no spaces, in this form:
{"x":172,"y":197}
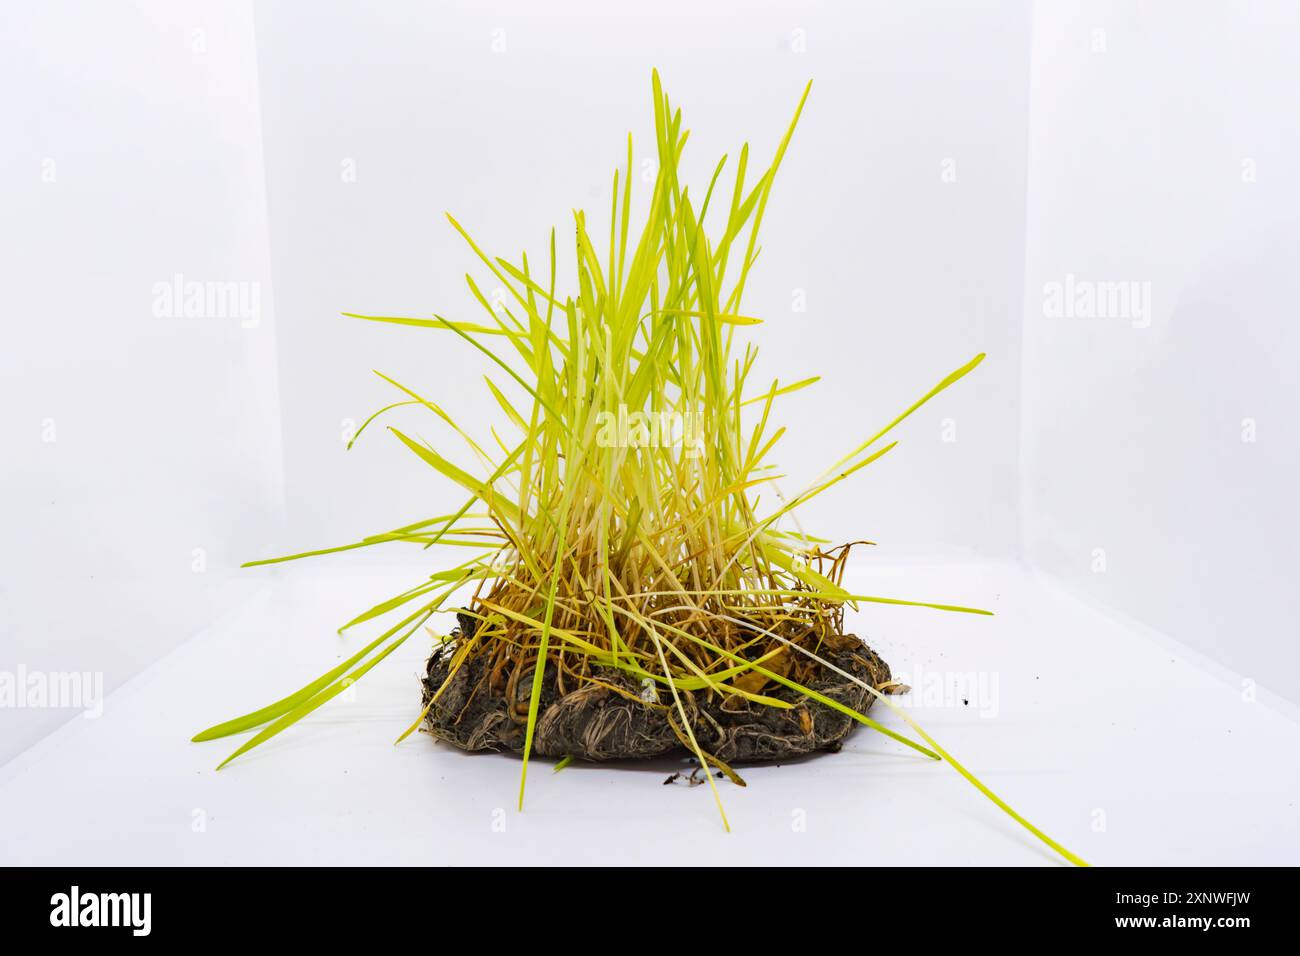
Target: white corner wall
{"x":954,"y":160}
{"x":1160,"y":465}
{"x":141,"y":457}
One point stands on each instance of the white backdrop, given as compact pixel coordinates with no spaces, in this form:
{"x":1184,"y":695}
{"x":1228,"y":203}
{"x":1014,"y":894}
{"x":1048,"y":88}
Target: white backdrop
{"x":141,"y":446}
{"x":1161,"y":462}
{"x":953,"y":159}
{"x":511,"y":115}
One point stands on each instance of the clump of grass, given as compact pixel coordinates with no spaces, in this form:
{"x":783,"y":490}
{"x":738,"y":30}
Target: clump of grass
{"x":661,"y":560}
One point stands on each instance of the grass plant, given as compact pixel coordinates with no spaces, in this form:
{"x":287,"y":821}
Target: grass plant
{"x":594,"y":548}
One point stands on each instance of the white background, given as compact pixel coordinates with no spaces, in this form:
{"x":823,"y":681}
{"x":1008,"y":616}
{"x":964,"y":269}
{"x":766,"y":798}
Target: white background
{"x":146,"y":457}
{"x":1140,"y":169}
{"x":130,"y":440}
{"x":904,"y":277}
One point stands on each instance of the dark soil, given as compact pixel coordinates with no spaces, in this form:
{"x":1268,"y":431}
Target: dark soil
{"x":595,"y":722}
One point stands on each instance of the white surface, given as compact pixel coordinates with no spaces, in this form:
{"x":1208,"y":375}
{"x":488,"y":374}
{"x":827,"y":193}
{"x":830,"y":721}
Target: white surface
{"x":1181,"y":769}
{"x":1166,"y":157}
